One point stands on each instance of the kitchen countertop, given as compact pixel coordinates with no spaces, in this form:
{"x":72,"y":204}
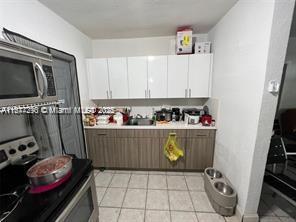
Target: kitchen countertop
{"x":170,"y":125}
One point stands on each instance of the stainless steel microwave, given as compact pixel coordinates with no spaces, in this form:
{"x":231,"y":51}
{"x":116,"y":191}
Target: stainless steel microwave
{"x":26,"y":75}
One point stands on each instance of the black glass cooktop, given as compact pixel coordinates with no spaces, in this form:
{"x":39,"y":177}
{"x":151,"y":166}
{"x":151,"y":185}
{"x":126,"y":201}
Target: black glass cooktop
{"x":47,"y":206}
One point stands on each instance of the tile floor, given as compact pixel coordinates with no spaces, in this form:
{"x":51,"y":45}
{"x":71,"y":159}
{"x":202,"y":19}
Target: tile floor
{"x":132,"y":196}
{"x":152,"y":196}
{"x":275,"y":208}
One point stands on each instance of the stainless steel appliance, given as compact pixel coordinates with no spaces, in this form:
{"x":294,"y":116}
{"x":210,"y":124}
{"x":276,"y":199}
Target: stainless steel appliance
{"x":26,"y":75}
{"x":74,"y":200}
{"x":191,"y":111}
{"x":193,"y":119}
{"x":83,"y":205}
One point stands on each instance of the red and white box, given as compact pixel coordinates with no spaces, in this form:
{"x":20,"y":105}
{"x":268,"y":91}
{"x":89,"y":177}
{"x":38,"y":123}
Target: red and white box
{"x":184,"y":41}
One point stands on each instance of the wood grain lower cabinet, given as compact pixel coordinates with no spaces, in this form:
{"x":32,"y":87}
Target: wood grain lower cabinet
{"x":199,"y":153}
{"x":111,"y":154}
{"x":144,"y":148}
{"x":127,"y":152}
{"x":96,"y":145}
{"x":149,"y":153}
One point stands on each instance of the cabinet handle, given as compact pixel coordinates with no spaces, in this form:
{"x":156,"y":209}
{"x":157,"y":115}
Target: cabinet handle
{"x":201,"y":135}
{"x":185,"y":93}
{"x":189,"y":93}
{"x":101,"y":134}
{"x":111,"y":94}
{"x":145,"y":93}
{"x":149,"y":93}
{"x":107,"y":94}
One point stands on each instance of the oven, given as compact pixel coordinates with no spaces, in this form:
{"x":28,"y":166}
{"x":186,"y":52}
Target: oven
{"x":26,"y":75}
{"x":83,"y":206}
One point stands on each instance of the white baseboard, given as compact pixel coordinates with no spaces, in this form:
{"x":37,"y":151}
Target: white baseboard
{"x":246,"y":217}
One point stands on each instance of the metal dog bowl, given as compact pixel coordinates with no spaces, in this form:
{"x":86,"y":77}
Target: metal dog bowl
{"x":223,"y":188}
{"x":214,"y":173}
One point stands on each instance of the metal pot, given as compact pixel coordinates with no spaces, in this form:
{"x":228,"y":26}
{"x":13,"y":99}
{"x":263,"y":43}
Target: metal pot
{"x":50,"y":177}
{"x":160,"y":116}
{"x":168,"y":115}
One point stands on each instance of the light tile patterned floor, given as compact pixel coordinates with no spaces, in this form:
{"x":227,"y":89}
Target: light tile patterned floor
{"x":153,"y":197}
{"x":138,"y":196}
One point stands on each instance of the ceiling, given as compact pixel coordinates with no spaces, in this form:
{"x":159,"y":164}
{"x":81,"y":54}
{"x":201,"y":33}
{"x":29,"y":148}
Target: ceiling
{"x":139,"y":18}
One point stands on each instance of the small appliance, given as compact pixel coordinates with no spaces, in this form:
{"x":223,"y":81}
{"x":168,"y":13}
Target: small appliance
{"x":206,"y":120}
{"x":193,"y":119}
{"x":26,"y":76}
{"x":191,"y":111}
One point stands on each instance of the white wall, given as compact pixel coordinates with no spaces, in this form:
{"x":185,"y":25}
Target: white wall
{"x":34,"y":20}
{"x":288,"y":98}
{"x":282,"y":18}
{"x":241,"y":45}
{"x":137,"y":46}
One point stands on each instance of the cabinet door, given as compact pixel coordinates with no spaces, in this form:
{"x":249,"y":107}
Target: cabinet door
{"x":118,"y":80}
{"x":127,"y":152}
{"x":149,"y":153}
{"x":95,"y":148}
{"x":157,"y":76}
{"x":111,"y":153}
{"x":199,"y":75}
{"x":177,"y":76}
{"x":98,"y":85}
{"x":199,"y":153}
{"x":137,"y":77}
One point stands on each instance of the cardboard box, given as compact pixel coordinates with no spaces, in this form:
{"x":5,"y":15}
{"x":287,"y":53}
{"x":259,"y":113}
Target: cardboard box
{"x":184,"y":41}
{"x":202,"y":47}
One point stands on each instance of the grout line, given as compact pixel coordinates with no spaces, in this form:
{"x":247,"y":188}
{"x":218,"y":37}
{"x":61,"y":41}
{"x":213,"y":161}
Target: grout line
{"x":102,"y":196}
{"x":184,"y":211}
{"x":141,"y":188}
{"x":105,"y":191}
{"x":166,"y":178}
{"x":146,"y":197}
{"x":124,"y":197}
{"x":191,"y":198}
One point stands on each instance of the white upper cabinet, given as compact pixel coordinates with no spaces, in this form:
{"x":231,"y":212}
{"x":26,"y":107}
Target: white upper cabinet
{"x":199,"y":77}
{"x":98,"y":86}
{"x":157,"y":77}
{"x":177,"y":76}
{"x":118,"y":79}
{"x":173,"y":76}
{"x":137,"y":77}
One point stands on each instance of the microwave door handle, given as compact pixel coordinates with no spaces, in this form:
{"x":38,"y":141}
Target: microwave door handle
{"x":44,"y":79}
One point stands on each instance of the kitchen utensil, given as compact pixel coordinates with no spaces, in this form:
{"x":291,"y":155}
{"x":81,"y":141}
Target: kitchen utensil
{"x":49,"y":173}
{"x":160,"y":116}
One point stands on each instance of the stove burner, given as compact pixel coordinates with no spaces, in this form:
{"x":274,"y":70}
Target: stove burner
{"x":8,"y":202}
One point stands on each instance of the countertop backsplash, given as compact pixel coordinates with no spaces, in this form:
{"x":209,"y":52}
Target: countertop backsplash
{"x":146,"y":107}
